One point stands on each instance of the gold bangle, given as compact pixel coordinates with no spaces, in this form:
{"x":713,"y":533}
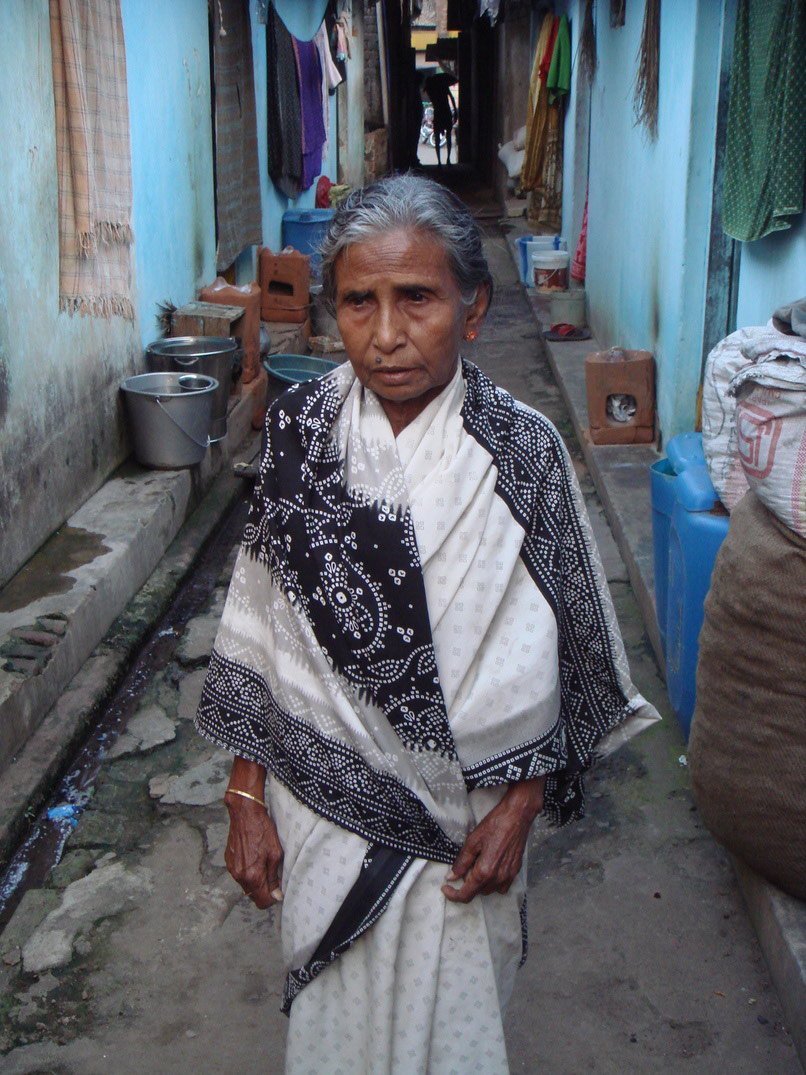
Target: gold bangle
{"x":245,"y":795}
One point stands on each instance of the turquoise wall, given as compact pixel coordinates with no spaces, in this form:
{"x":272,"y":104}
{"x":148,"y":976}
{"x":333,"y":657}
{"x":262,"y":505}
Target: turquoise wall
{"x":61,"y":423}
{"x":650,"y":202}
{"x":60,"y":427}
{"x":772,"y":271}
{"x":168,"y":63}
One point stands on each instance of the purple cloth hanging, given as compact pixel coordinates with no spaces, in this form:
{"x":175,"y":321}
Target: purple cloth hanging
{"x":309,"y":78}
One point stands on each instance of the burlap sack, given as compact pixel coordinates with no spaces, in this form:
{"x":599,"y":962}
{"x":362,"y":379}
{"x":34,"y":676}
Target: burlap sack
{"x":747,"y":751}
{"x":771,"y":437}
{"x":719,"y":417}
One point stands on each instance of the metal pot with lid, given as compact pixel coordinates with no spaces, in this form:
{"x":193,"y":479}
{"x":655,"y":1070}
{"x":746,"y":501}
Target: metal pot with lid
{"x":212,"y":356}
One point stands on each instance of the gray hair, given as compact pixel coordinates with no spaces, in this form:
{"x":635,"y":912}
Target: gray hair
{"x":411,"y":202}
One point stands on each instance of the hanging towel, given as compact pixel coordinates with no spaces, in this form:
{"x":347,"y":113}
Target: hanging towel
{"x":238,"y":215}
{"x":93,"y":157}
{"x":284,"y":114}
{"x":309,"y":73}
{"x":766,"y":135}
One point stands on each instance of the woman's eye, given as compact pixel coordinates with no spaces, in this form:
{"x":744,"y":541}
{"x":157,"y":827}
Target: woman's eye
{"x":417,"y":296}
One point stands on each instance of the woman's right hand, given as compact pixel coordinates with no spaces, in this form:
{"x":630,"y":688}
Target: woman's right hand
{"x":254,"y":854}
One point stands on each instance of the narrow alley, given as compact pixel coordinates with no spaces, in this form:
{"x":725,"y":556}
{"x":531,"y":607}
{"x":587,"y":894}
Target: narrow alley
{"x":138,"y":952}
{"x":209,"y":201}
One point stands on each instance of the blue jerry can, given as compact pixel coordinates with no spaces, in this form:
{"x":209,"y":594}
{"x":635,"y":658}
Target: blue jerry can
{"x":684,"y":450}
{"x":698,"y":527}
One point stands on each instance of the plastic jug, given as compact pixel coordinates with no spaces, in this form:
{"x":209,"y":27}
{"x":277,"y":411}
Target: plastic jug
{"x":698,"y":527}
{"x":683,"y":451}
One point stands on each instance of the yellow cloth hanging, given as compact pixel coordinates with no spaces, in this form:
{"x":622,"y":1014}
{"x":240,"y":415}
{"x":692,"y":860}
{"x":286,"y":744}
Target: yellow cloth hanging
{"x":537,"y":112}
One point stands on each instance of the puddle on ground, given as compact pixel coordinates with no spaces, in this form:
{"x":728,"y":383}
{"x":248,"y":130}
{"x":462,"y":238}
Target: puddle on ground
{"x":47,"y":573}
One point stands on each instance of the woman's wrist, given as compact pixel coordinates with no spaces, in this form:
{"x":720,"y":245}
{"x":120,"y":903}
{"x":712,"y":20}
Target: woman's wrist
{"x":247,"y":782}
{"x":526,"y":798}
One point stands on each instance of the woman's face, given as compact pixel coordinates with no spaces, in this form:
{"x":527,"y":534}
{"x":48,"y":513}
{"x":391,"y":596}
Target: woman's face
{"x":401,"y":318}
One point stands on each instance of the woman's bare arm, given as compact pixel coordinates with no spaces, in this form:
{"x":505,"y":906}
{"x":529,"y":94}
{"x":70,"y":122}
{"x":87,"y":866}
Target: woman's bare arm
{"x":253,"y":855}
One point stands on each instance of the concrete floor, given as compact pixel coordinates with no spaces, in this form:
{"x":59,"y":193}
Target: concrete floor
{"x":642,"y":958}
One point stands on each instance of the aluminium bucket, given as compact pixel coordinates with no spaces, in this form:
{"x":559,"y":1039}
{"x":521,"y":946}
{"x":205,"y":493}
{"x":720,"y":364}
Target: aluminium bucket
{"x":169,"y":417}
{"x":212,"y":356}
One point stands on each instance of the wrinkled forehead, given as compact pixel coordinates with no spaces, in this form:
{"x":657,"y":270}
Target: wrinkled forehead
{"x":403,"y":252}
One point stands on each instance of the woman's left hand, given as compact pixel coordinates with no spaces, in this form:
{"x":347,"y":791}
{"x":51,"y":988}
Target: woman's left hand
{"x":493,"y":852}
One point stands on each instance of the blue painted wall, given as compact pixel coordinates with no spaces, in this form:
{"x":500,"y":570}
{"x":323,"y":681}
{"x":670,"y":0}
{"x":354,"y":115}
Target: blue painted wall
{"x":61,"y":423}
{"x":772,"y":271}
{"x":650,"y":202}
{"x":60,"y":426}
{"x":168,"y":63}
{"x":649,"y":210}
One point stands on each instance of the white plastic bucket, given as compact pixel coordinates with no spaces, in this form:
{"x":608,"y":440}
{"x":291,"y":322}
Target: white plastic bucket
{"x":550,"y":269}
{"x":547,"y":242}
{"x":568,"y":308}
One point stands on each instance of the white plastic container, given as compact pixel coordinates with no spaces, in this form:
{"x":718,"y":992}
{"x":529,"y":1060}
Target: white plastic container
{"x":568,"y":308}
{"x":547,"y":242}
{"x":550,"y":269}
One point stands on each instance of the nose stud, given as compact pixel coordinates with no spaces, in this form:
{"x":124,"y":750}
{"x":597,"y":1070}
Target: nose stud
{"x":378,"y":360}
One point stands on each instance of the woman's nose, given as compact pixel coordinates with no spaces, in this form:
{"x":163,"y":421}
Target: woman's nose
{"x":389,"y":332}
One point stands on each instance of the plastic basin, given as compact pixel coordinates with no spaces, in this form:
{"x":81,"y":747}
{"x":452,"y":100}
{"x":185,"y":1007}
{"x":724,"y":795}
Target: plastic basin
{"x":298,"y":369}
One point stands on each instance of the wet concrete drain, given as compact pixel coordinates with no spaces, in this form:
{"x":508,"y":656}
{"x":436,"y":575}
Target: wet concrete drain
{"x":50,"y":829}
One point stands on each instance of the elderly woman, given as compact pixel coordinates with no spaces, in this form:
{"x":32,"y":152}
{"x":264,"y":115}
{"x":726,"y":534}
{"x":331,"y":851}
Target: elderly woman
{"x":418,"y":656}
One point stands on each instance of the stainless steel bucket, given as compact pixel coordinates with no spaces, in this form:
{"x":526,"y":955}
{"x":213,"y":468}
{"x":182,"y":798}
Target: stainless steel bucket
{"x":213,"y":356}
{"x":169,"y":417}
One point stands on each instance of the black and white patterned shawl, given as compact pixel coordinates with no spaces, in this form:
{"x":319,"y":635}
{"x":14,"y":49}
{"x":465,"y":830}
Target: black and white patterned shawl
{"x":401,"y":630}
{"x":343,"y":563}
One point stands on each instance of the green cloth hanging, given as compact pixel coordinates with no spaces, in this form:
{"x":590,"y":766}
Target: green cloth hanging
{"x":766,"y":132}
{"x":559,"y":81}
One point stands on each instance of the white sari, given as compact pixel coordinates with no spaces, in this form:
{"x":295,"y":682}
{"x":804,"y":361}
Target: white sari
{"x":413,"y":625}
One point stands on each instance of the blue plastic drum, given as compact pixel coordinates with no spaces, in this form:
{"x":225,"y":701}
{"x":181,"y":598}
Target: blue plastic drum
{"x":304,"y":230}
{"x":683,"y":451}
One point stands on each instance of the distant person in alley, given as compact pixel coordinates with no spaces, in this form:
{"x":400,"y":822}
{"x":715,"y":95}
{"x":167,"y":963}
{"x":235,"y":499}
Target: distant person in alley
{"x":418,"y":657}
{"x":439,"y":88}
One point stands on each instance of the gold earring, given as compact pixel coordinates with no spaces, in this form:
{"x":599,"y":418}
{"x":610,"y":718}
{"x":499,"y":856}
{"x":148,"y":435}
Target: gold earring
{"x":471,"y":335}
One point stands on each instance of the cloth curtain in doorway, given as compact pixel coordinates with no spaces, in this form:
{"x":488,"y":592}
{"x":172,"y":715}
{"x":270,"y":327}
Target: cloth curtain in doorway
{"x":545,"y":202}
{"x":543,"y":160}
{"x":284,"y":114}
{"x":238,"y":214}
{"x":93,"y":157}
{"x":766,"y":137}
{"x":537,"y":109}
